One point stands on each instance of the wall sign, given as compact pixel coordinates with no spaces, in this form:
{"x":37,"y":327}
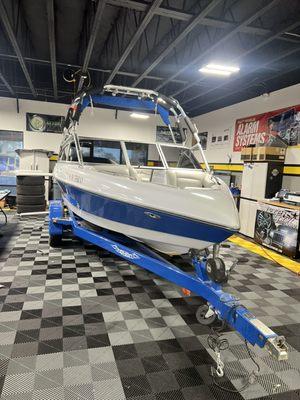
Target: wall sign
{"x":44,"y":123}
{"x":274,"y":128}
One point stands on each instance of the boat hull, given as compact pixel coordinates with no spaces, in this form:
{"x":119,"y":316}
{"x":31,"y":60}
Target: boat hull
{"x":166,"y":232}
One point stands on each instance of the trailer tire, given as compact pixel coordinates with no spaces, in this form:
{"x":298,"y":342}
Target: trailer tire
{"x":200,"y":315}
{"x":30,"y":180}
{"x":55,"y":240}
{"x":32,"y":200}
{"x":31,"y":190}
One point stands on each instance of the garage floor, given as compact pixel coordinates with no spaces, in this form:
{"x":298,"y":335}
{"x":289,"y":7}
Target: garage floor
{"x":77,"y":323}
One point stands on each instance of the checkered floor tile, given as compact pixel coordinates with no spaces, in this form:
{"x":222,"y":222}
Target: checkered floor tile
{"x":79,"y":323}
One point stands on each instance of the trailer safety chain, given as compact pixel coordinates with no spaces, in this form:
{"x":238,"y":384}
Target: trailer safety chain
{"x":217,"y":343}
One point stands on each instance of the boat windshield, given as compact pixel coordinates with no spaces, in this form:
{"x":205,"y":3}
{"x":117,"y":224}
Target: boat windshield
{"x":180,"y":157}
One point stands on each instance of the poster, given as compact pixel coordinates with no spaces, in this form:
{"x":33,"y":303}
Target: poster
{"x":221,"y":139}
{"x":277,"y":228}
{"x":44,"y":123}
{"x":163,"y":134}
{"x":275,"y":128}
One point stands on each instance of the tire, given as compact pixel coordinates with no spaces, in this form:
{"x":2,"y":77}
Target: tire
{"x":30,"y":208}
{"x":31,"y":190}
{"x":34,"y":200}
{"x":201,"y":316}
{"x":55,"y":241}
{"x":30,"y":180}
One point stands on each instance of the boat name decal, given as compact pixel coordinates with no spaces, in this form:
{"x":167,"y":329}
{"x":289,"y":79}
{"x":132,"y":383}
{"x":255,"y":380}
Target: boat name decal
{"x":124,"y":253}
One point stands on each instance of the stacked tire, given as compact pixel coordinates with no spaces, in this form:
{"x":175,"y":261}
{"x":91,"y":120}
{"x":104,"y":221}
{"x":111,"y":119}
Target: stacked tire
{"x":30,"y":194}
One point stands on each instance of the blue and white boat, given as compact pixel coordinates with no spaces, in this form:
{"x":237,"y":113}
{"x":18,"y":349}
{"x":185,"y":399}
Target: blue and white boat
{"x":156,"y":193}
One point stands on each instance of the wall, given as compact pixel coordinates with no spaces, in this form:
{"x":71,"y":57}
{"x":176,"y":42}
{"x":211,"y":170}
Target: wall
{"x":216,"y":122}
{"x":94,"y":123}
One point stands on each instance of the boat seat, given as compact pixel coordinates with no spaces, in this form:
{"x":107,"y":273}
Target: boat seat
{"x":143,"y":175}
{"x":182,"y":178}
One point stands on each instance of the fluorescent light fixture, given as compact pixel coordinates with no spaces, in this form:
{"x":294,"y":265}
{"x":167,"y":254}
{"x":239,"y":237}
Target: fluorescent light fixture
{"x":228,"y":68}
{"x":139,"y":116}
{"x":218,"y":69}
{"x":214,"y":71}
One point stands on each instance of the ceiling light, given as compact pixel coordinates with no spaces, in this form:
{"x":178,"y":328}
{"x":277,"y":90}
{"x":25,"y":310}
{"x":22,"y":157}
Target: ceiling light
{"x":218,"y":69}
{"x":139,"y":116}
{"x":214,"y":71}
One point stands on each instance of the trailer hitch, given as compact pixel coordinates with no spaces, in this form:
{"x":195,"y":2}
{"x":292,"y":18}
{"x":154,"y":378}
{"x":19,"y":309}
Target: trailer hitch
{"x":277,"y":347}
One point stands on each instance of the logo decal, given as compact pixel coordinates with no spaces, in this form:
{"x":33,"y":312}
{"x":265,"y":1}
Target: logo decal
{"x":124,"y":253}
{"x":152,"y":215}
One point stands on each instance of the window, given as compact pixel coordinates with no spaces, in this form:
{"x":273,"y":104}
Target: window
{"x":106,"y":151}
{"x":177,"y":157}
{"x":141,"y":154}
{"x":97,"y":151}
{"x":9,"y":160}
{"x":137,"y":153}
{"x":72,"y":154}
{"x":9,"y":142}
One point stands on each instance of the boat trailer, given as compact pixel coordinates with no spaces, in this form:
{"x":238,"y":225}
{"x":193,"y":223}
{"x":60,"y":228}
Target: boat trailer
{"x":222,"y":305}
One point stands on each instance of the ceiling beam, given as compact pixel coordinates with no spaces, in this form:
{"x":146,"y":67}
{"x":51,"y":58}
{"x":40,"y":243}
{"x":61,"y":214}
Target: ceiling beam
{"x":265,"y":65}
{"x":224,"y":38}
{"x":244,"y":54}
{"x":94,"y":32}
{"x":107,"y":71}
{"x":179,"y":38}
{"x":143,"y":25}
{"x":13,"y":41}
{"x":92,"y":39}
{"x":184,"y":16}
{"x":52,"y":47}
{"x":9,"y":88}
{"x":47,"y":92}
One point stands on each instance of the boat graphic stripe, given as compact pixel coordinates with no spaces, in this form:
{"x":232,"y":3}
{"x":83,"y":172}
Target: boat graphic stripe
{"x":133,"y":215}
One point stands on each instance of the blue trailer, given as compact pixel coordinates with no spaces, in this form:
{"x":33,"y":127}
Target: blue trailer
{"x":220,"y":304}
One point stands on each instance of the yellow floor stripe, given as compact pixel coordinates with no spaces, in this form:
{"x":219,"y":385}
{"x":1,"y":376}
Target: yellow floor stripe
{"x":286,"y":262}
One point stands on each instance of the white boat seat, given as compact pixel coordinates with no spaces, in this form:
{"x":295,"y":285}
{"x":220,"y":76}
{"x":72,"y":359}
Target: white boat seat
{"x":143,"y":175}
{"x":182,"y":178}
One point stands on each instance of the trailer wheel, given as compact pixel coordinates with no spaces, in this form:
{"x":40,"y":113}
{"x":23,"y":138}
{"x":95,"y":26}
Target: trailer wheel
{"x":202,"y":318}
{"x":55,"y":241}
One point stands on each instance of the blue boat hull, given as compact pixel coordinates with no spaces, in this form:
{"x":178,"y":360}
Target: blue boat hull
{"x":133,"y":216}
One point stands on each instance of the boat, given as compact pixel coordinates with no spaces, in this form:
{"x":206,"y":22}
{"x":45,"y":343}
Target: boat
{"x":162,"y":194}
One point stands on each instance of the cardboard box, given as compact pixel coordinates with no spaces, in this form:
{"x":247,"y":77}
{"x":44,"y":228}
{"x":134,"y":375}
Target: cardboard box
{"x":246,"y":153}
{"x":268,"y":154}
